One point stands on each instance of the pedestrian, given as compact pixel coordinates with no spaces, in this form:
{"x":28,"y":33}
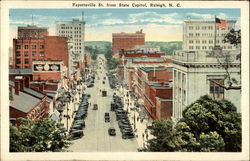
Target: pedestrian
{"x":143,"y":135}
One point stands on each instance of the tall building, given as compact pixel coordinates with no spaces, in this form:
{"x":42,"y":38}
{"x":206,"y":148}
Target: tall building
{"x":32,"y":32}
{"x":200,"y":35}
{"x":28,"y":46}
{"x":125,"y":41}
{"x":75,"y":30}
{"x":197,"y":72}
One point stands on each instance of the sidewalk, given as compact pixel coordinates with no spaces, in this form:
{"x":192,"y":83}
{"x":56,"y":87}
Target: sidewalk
{"x":139,"y":123}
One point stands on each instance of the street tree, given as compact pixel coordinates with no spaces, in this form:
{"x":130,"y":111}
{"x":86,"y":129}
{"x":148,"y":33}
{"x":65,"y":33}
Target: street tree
{"x":41,"y":135}
{"x":208,"y":125}
{"x":233,"y":37}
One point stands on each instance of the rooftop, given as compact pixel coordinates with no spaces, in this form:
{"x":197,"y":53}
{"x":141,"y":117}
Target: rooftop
{"x":23,"y":102}
{"x":156,"y":69}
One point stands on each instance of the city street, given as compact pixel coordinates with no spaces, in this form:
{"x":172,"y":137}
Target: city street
{"x":96,"y":137}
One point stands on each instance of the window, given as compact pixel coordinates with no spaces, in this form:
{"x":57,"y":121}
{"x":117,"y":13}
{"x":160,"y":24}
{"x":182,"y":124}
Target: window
{"x":26,"y":46}
{"x":33,"y":46}
{"x":26,"y":61}
{"x":191,"y":41}
{"x":215,"y":90}
{"x":41,"y":46}
{"x":18,"y":61}
{"x":33,"y":53}
{"x":197,"y":34}
{"x":204,"y":41}
{"x":191,"y":47}
{"x":197,"y":47}
{"x":18,"y":53}
{"x":26,"y":53}
{"x":204,"y":47}
{"x":210,"y":47}
{"x":211,"y":41}
{"x":197,"y":27}
{"x":18,"y":46}
{"x":197,"y":41}
{"x":191,"y":34}
{"x":42,"y":53}
{"x":191,"y":27}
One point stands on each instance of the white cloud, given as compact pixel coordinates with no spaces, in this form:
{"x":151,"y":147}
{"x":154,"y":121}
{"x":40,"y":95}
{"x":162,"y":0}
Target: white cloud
{"x":203,"y":16}
{"x":153,"y":31}
{"x":112,"y":21}
{"x":171,"y":18}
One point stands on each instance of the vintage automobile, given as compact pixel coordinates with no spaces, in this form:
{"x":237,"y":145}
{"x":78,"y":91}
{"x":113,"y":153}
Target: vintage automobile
{"x":76,"y":134}
{"x":111,"y":131}
{"x":107,"y":117}
{"x":95,"y":107}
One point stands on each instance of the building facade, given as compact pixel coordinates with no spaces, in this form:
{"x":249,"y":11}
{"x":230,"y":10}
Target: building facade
{"x":200,"y":35}
{"x":75,"y":31}
{"x":125,"y":41}
{"x":196,"y":74}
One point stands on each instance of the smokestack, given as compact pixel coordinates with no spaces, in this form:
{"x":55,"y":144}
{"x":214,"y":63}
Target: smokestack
{"x":17,"y":87}
{"x":27,"y":82}
{"x":21,"y":84}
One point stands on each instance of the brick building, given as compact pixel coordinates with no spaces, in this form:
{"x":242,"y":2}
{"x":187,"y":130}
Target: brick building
{"x":35,"y":107}
{"x":125,"y":41}
{"x":154,"y":87}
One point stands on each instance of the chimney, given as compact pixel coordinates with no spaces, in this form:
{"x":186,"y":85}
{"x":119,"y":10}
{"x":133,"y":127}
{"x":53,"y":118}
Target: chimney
{"x":27,"y":82}
{"x":21,"y":84}
{"x":17,"y":87}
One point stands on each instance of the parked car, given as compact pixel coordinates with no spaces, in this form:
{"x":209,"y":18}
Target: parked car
{"x":95,"y":107}
{"x":76,"y":134}
{"x":111,"y":131}
{"x":127,"y":135}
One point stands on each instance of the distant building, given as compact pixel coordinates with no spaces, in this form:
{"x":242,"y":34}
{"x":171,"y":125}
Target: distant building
{"x":200,"y":35}
{"x":32,"y":32}
{"x":75,"y":31}
{"x":125,"y":41}
{"x":147,"y":48}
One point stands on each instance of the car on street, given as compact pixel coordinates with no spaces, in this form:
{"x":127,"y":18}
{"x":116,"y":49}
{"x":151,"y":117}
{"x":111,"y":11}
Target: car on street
{"x":76,"y":134}
{"x":128,"y":135}
{"x":111,"y":131}
{"x":95,"y":107}
{"x":106,"y":117}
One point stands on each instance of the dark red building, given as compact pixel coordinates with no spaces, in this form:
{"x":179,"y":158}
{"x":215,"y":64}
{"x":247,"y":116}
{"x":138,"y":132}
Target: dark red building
{"x":125,"y":41}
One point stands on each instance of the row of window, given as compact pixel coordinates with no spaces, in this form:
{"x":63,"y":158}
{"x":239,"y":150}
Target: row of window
{"x":26,"y":53}
{"x":206,"y":34}
{"x":206,"y":28}
{"x":207,"y":47}
{"x":18,"y":61}
{"x":29,"y":46}
{"x":70,"y":32}
{"x":70,"y":27}
{"x":205,"y":41}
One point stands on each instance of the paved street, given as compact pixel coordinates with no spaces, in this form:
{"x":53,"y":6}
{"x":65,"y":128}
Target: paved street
{"x":96,"y":137}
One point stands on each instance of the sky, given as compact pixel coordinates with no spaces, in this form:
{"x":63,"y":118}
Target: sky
{"x":158,"y":24}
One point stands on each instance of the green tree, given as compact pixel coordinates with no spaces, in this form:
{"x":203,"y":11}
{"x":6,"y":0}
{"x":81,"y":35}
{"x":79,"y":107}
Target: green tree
{"x":38,"y":136}
{"x":112,"y":63}
{"x":207,"y":125}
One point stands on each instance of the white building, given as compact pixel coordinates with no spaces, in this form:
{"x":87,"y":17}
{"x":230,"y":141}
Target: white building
{"x":194,"y":75}
{"x":75,"y":30}
{"x":200,"y":35}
